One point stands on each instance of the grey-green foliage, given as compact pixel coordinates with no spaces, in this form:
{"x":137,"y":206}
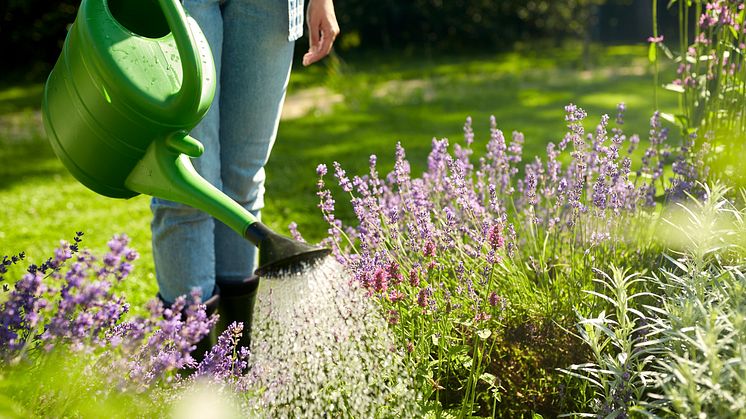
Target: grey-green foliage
{"x":701,"y":318}
{"x":683,"y":345}
{"x":621,"y":372}
{"x":702,"y":370}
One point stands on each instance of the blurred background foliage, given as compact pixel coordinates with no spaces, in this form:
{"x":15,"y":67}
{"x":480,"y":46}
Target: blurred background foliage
{"x":32,"y":31}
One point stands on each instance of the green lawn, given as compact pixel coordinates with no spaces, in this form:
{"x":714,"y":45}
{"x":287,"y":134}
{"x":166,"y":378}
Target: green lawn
{"x":385,"y":99}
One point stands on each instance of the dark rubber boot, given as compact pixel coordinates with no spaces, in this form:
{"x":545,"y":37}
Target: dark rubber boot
{"x":237,"y":305}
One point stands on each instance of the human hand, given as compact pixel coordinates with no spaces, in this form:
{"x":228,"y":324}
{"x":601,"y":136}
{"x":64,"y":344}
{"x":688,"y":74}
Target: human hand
{"x":322,"y":28}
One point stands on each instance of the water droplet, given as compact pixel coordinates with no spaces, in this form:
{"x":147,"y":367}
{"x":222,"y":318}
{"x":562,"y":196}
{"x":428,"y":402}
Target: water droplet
{"x":321,"y":348}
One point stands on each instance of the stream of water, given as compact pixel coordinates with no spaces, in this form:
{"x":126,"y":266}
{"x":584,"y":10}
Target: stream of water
{"x":320,"y":349}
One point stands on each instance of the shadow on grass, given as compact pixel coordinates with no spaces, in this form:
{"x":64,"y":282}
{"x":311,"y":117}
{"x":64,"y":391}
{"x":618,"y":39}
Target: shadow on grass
{"x":27,"y":161}
{"x":24,"y":151}
{"x":16,"y":98}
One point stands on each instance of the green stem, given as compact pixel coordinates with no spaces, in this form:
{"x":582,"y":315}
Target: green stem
{"x":655,"y":63}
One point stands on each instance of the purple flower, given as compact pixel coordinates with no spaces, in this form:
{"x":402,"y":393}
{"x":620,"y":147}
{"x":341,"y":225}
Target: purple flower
{"x":293,"y":227}
{"x":423,"y":297}
{"x":131,"y":255}
{"x":495,"y":237}
{"x":396,"y":296}
{"x":16,"y":324}
{"x":341,"y":175}
{"x":169,"y":347}
{"x":574,"y":113}
{"x":414,"y":278}
{"x":655,"y":39}
{"x":225,"y":359}
{"x":321,"y":169}
{"x":401,"y":166}
{"x":326,"y":203}
{"x":515,"y":151}
{"x":494,"y":299}
{"x":429,"y":249}
{"x":393,"y":317}
{"x":380,"y":280}
{"x":118,"y":244}
{"x":620,"y":108}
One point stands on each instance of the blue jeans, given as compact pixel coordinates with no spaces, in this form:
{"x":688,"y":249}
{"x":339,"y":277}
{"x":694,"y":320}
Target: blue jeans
{"x":249,"y":42}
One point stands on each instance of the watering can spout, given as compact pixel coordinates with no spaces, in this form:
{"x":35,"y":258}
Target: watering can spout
{"x":165,"y":171}
{"x":279,"y":254}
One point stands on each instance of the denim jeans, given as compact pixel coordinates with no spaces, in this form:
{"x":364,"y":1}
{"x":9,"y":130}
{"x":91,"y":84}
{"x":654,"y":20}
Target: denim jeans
{"x":249,"y":42}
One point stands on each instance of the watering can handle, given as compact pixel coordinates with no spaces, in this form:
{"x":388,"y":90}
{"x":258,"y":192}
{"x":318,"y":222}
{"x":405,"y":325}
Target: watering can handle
{"x":189,"y":95}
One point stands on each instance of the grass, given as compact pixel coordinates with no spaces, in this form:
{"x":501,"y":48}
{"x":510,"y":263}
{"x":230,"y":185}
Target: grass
{"x":385,"y":99}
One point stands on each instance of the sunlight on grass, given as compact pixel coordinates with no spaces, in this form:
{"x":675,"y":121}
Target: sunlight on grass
{"x":397,"y":99}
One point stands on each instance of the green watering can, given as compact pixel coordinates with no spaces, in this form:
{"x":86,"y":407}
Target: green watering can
{"x":134,"y":77}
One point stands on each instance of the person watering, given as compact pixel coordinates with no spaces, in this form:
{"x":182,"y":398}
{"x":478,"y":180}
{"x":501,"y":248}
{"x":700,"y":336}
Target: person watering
{"x":252,"y":43}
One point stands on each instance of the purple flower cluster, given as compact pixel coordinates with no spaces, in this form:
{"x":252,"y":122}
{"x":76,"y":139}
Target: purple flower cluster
{"x":21,"y":314}
{"x":225,"y":360}
{"x":69,"y":303}
{"x":711,"y":72}
{"x":449,"y":228}
{"x":171,"y":335}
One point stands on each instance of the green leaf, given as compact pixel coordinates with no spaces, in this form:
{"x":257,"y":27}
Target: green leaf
{"x":668,"y":117}
{"x":678,"y":119}
{"x":674,"y":88}
{"x":666,"y":51}
{"x":488,"y":378}
{"x":484,"y":333}
{"x":652,"y":53}
{"x":733,"y":32}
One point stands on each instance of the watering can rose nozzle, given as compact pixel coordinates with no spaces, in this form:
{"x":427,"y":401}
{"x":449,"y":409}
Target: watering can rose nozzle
{"x":279,"y":254}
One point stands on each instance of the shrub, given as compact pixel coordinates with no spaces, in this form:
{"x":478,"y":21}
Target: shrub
{"x":710,"y":78}
{"x":479,"y":265}
{"x":681,"y":354}
{"x":67,"y":348}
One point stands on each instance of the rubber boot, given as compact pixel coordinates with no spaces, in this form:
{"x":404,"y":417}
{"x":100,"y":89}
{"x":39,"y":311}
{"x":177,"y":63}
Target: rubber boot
{"x":208,"y":341}
{"x":237,"y":305}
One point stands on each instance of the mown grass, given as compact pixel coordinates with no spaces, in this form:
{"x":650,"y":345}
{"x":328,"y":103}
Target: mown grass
{"x":385,"y":99}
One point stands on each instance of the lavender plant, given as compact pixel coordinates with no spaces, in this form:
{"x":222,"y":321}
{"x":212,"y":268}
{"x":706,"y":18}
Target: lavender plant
{"x":710,"y":73}
{"x":473,"y":253}
{"x":710,"y":76}
{"x":68,"y":349}
{"x":62,"y":324}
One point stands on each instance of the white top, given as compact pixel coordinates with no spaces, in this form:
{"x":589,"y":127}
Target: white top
{"x":295,"y":15}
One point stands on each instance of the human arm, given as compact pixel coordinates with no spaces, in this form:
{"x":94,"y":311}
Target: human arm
{"x":322,"y":28}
